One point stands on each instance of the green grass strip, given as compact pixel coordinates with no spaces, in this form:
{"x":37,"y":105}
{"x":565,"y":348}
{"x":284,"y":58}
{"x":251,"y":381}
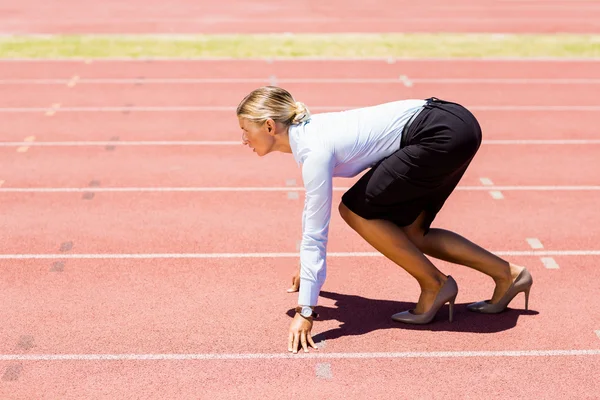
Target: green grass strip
{"x":302,"y":45}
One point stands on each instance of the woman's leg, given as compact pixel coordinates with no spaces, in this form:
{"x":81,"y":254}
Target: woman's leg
{"x":449,"y":246}
{"x":393,"y":243}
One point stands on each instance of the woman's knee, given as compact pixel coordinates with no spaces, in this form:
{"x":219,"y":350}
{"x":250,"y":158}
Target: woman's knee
{"x":345,"y":212}
{"x":349,"y":216}
{"x":415,"y":232}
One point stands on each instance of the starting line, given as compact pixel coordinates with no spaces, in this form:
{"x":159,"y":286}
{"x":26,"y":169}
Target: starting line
{"x":192,"y":189}
{"x":153,"y":256}
{"x":238,"y":142}
{"x":300,"y":354}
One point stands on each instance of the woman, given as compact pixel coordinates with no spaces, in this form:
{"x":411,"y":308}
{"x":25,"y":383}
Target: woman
{"x":417,"y":151}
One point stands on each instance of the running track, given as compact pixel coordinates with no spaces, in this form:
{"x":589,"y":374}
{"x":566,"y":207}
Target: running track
{"x":270,"y":16}
{"x":146,"y":253}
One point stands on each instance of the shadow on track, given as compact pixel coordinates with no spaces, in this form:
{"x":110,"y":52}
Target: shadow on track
{"x":359,"y":315}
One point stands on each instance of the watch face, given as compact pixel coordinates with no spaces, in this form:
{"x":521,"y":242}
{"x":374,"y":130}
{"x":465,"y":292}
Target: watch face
{"x":306,"y":312}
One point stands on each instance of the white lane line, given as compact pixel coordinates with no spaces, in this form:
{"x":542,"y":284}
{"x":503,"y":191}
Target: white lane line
{"x":300,"y":60}
{"x":238,"y":143}
{"x":550,"y":263}
{"x":26,"y":144}
{"x":153,"y":256}
{"x":597,"y":334}
{"x":486,"y":181}
{"x":316,"y":108}
{"x":127,"y":143}
{"x":535,"y":243}
{"x":271,"y":189}
{"x":273,"y":80}
{"x":293,"y":195}
{"x":287,"y":355}
{"x":541,"y":141}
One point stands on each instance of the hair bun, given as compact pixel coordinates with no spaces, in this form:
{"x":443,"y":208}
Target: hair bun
{"x":302,"y":113}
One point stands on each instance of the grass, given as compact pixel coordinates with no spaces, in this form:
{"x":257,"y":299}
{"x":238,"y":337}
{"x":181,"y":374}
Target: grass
{"x":302,"y":45}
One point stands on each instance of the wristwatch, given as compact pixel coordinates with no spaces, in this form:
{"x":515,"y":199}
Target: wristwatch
{"x":306,"y":312}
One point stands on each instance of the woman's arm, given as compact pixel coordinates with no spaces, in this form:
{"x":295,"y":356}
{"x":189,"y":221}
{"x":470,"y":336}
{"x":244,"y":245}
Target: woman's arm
{"x":317,"y":174}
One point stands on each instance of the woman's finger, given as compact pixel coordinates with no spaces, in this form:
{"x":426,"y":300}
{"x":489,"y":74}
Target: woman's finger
{"x":295,"y":284}
{"x":303,"y":339}
{"x":295,"y":346}
{"x":290,"y":341}
{"x":311,"y":342}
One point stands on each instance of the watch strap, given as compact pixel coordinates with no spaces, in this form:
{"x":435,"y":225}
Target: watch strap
{"x":299,"y":311}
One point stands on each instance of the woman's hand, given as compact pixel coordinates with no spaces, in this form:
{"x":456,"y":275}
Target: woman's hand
{"x":300,"y":334}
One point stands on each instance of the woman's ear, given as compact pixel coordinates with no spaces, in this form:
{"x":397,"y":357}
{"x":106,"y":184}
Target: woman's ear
{"x":270,"y":124}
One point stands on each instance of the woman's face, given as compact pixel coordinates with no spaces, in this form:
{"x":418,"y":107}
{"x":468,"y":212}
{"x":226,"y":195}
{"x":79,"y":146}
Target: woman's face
{"x":260,"y":138}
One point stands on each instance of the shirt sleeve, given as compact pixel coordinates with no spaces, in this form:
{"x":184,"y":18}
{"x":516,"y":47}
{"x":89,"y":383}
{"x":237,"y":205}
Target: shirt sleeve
{"x":317,"y":174}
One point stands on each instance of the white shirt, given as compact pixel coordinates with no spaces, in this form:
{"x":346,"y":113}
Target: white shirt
{"x":338,"y":144}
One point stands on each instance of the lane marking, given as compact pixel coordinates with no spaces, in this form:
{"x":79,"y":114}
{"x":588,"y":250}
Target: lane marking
{"x":237,"y":143}
{"x":496,"y":194}
{"x":300,"y":60}
{"x":323,"y":371}
{"x":52,"y":110}
{"x":484,"y":22}
{"x":90,"y":195}
{"x":287,"y":355}
{"x":27,"y":143}
{"x":138,"y":256}
{"x":73,"y":81}
{"x":541,"y":141}
{"x":405,"y":81}
{"x":535,"y":243}
{"x":111,"y":146}
{"x":293,"y":195}
{"x":58,"y":266}
{"x":316,"y":108}
{"x":26,"y":342}
{"x":66,"y":246}
{"x":597,"y":334}
{"x":273,"y":80}
{"x":550,"y":263}
{"x":190,"y":189}
{"x":12,"y":373}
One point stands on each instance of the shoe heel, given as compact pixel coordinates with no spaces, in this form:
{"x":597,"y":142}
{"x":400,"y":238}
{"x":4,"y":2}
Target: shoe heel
{"x":527,"y":298}
{"x":451,"y":310}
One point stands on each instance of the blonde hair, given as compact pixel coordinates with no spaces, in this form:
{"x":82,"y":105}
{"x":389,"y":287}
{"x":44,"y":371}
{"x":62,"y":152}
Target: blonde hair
{"x":275,"y":103}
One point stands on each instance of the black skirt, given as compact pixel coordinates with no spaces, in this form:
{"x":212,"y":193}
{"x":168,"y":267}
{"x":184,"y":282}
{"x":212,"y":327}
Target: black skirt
{"x":435,"y":152}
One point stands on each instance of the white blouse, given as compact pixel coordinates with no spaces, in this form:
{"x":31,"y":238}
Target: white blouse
{"x":338,"y":144}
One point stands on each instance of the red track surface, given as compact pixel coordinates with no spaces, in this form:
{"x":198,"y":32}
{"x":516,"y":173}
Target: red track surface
{"x":176,"y":305}
{"x":186,"y":16}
